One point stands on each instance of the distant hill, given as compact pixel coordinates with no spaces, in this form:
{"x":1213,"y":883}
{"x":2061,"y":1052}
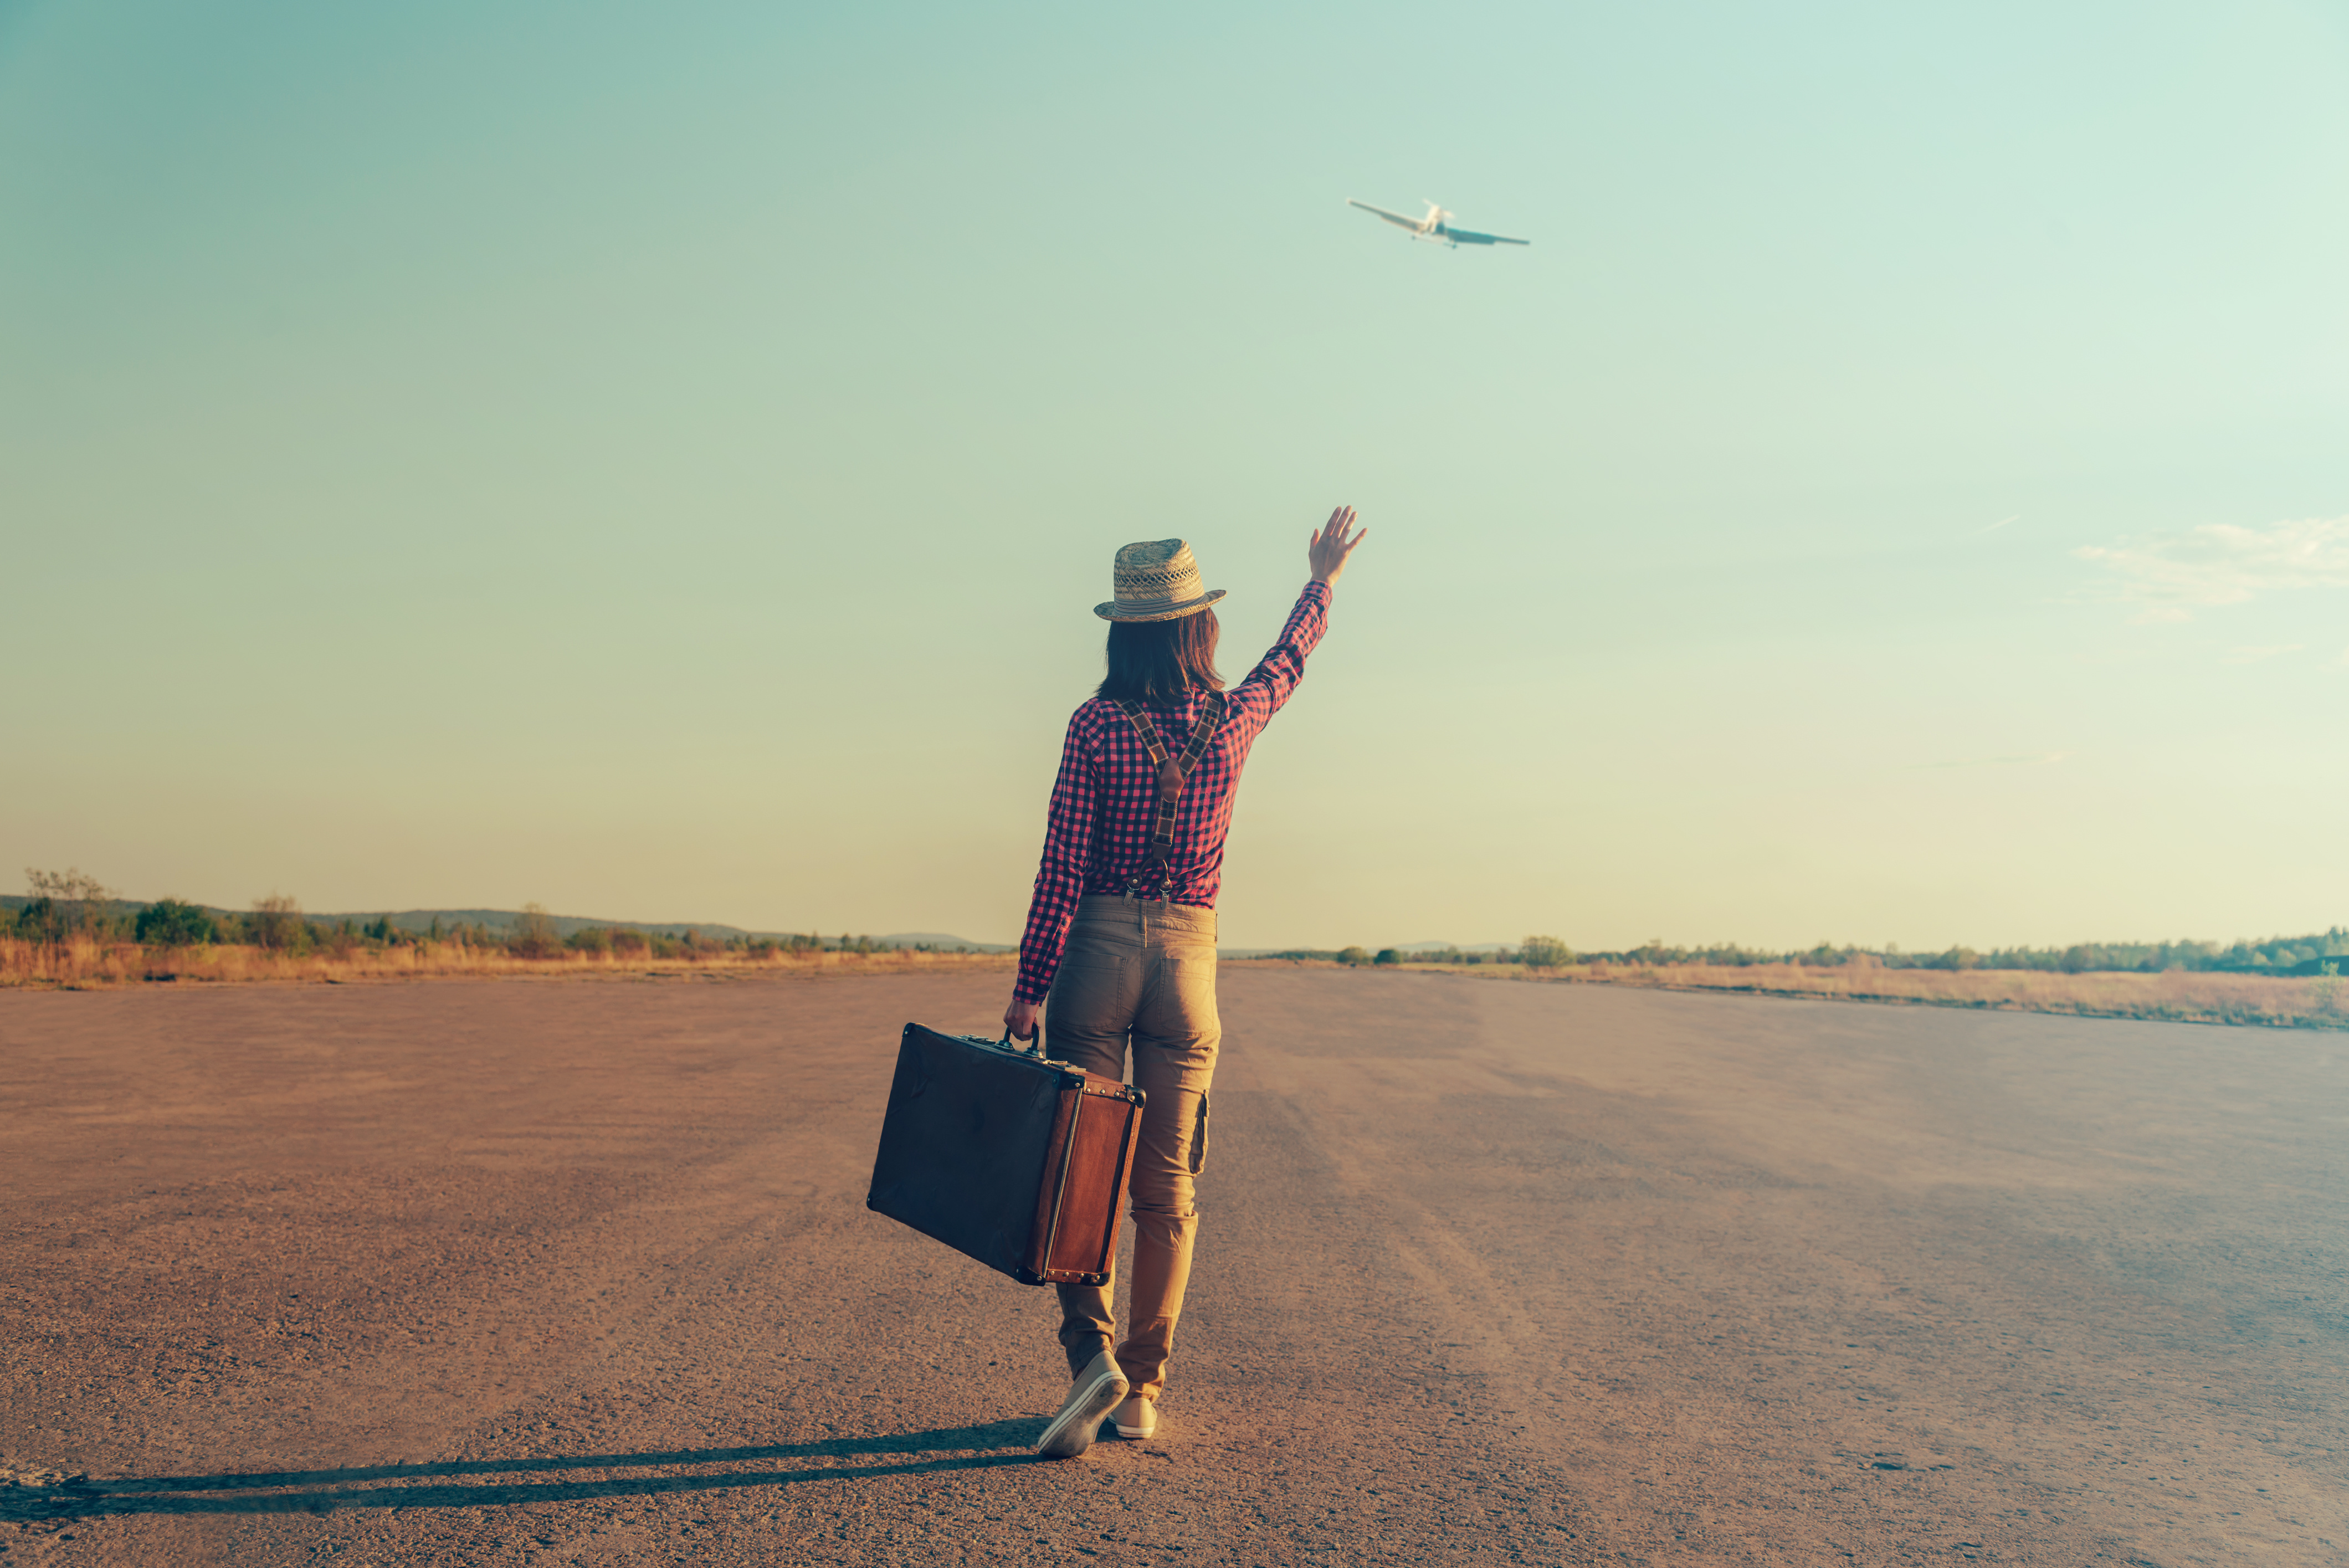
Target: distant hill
{"x":939,"y":939}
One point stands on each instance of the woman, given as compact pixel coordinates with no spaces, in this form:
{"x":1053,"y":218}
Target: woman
{"x":1120,"y":935}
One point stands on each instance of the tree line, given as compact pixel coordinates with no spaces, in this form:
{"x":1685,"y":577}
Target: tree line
{"x":2272,"y":955}
{"x":72,"y":906}
{"x":1534,"y":952}
{"x":2320,"y":952}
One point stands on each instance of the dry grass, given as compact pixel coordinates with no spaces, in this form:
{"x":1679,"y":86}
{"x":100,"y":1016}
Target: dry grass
{"x":82,"y":965}
{"x":2180,"y":995}
{"x":2183,"y":996}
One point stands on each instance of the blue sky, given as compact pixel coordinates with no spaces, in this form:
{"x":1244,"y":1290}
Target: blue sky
{"x":660,"y":462}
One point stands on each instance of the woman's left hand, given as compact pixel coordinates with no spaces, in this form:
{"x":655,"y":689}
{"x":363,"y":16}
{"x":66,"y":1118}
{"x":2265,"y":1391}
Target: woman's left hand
{"x":1020,"y":1018}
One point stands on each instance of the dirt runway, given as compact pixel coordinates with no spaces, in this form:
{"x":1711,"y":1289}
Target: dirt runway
{"x":474,"y":1273}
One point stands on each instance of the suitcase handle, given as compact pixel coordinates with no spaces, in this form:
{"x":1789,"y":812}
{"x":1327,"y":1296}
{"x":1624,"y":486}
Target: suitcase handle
{"x":1034,"y":1040}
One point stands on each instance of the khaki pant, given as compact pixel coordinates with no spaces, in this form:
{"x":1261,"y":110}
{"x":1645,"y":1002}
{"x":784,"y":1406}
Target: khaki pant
{"x":1145,"y":972}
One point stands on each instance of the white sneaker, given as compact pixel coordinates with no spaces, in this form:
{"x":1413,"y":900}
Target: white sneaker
{"x":1092,"y":1396}
{"x":1137,"y":1418}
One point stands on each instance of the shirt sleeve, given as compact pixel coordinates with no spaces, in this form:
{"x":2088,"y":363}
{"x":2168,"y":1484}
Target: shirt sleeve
{"x":1060,"y":880}
{"x":1283,"y":665}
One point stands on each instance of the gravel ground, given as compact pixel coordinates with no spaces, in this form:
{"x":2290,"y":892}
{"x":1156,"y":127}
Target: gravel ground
{"x":580,"y":1272}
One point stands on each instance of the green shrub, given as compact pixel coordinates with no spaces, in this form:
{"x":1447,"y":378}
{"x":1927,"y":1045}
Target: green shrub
{"x":41,"y":920}
{"x":174,"y":923}
{"x":1353,"y":955}
{"x":67,"y":903}
{"x":1388,"y":955}
{"x":533,"y":934}
{"x":276,"y":923}
{"x":1545,"y":952}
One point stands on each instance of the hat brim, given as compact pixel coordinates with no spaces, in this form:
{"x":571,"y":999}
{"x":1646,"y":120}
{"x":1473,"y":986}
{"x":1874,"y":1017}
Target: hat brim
{"x":1155,"y":609}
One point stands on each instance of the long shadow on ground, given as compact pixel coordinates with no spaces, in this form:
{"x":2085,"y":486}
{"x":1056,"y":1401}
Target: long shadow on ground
{"x":324,"y":1491}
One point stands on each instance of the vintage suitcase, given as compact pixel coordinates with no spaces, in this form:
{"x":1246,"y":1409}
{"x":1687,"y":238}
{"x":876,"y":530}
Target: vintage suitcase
{"x":1018,"y":1161}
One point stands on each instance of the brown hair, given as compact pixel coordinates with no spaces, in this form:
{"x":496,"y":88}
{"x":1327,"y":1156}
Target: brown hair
{"x":1159,"y":660}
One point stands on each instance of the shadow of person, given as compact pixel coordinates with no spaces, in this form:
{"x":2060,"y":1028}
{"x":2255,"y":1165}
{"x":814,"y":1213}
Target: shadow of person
{"x":445,"y":1484}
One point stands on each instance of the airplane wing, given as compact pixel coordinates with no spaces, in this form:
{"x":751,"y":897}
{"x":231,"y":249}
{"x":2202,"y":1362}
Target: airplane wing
{"x":1382,"y":211}
{"x":1469,"y":237}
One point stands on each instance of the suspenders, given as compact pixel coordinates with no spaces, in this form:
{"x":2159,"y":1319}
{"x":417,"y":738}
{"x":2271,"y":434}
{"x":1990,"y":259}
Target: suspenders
{"x":1174,"y":772}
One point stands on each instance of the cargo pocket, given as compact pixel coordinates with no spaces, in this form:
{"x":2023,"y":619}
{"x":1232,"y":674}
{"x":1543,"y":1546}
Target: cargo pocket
{"x":1199,"y":1139}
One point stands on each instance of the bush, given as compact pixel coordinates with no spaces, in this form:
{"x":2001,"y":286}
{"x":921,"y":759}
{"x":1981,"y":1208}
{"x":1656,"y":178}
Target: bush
{"x":66,"y":903}
{"x":1388,"y":955}
{"x":276,"y":922}
{"x":590,"y":939}
{"x":172,"y":923}
{"x":533,"y":934}
{"x":1545,"y":952}
{"x":41,"y":920}
{"x":1353,"y":955}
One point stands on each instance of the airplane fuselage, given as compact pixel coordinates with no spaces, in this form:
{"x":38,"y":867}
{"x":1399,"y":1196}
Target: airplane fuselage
{"x":1433,"y":227}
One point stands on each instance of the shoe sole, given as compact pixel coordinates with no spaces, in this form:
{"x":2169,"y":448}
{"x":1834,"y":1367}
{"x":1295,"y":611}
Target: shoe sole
{"x":1071,"y":1431}
{"x":1125,"y":1431}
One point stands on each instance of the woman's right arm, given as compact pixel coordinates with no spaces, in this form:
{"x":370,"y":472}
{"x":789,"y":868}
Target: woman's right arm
{"x":1268,"y":686}
{"x":1061,"y":876}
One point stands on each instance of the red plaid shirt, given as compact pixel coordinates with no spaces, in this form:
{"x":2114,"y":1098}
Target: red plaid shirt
{"x":1103,"y":803}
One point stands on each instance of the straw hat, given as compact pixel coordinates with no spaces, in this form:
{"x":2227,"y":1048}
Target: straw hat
{"x":1155,"y":580}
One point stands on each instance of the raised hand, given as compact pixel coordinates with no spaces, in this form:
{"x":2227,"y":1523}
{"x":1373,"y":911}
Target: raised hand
{"x":1331,"y":543}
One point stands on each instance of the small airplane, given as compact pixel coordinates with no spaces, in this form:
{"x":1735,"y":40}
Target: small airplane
{"x":1437,"y":226}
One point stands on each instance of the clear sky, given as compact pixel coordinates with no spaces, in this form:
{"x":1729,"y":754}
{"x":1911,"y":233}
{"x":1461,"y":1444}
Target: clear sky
{"x":660,"y":461}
